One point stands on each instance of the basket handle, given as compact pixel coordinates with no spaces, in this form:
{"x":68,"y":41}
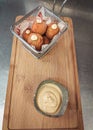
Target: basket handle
{"x":62,"y":5}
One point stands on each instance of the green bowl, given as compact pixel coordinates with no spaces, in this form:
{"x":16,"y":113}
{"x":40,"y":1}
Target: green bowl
{"x":64,"y":103}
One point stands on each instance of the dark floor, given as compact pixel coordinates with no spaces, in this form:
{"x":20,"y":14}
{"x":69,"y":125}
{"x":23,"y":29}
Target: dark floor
{"x":81,"y":12}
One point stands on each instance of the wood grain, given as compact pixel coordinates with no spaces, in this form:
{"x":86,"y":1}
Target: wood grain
{"x":26,"y":73}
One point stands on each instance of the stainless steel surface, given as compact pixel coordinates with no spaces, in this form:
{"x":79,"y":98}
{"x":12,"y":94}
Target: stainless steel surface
{"x":81,"y":12}
{"x":48,"y":14}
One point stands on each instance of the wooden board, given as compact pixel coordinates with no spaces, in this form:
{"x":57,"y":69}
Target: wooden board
{"x":26,"y":72}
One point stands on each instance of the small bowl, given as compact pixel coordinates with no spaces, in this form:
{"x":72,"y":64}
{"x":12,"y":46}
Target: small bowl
{"x":64,"y":103}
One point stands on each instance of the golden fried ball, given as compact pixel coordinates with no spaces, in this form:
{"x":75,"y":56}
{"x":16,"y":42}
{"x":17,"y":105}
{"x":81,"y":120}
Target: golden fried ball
{"x":39,"y":26}
{"x":26,"y":33}
{"x":52,"y":30}
{"x":46,"y":40}
{"x":36,"y":40}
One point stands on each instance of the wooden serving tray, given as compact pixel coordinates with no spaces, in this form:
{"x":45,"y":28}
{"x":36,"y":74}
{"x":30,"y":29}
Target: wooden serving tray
{"x":26,"y":72}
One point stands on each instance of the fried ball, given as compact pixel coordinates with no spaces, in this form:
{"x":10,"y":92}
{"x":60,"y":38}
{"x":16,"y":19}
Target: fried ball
{"x":26,"y":33}
{"x":36,"y":40}
{"x":39,"y":26}
{"x":46,"y":40}
{"x":52,"y":30}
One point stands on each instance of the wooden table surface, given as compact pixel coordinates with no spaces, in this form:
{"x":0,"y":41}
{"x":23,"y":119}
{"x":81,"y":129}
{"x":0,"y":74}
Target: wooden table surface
{"x":26,"y":73}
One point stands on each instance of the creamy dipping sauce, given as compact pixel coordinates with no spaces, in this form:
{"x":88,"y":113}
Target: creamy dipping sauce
{"x":49,"y":98}
{"x":54,"y":26}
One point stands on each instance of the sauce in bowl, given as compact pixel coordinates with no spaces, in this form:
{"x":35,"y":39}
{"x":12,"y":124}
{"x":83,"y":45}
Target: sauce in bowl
{"x":49,"y":98}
